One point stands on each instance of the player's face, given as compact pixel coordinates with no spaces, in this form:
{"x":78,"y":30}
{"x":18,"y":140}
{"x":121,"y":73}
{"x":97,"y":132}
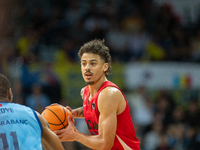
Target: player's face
{"x":93,"y":68}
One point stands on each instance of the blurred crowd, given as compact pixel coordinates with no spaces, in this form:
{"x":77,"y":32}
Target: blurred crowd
{"x":134,"y":30}
{"x":52,"y":31}
{"x":163,"y":124}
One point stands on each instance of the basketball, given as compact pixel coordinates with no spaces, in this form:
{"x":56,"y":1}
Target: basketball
{"x":56,"y":116}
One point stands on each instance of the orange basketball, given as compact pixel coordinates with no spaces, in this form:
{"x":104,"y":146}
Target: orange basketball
{"x":56,"y":116}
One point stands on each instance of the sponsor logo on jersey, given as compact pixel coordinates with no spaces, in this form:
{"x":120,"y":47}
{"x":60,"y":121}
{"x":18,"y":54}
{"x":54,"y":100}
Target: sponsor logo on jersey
{"x":93,"y":127}
{"x":6,"y":110}
{"x":93,"y":106}
{"x":14,"y":121}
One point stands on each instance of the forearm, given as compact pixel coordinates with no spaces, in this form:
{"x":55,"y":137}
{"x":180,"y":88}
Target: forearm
{"x":93,"y":142}
{"x":52,"y":143}
{"x":78,"y":112}
{"x":103,"y":141}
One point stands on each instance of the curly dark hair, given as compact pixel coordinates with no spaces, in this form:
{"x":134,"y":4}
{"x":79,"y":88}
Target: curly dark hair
{"x":98,"y":47}
{"x":4,"y":85}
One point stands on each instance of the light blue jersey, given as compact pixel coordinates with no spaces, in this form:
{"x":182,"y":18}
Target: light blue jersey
{"x":20,"y":128}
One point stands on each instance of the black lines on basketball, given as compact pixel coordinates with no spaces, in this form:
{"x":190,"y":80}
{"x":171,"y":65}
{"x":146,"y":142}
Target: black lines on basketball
{"x":56,"y":116}
{"x":61,"y":122}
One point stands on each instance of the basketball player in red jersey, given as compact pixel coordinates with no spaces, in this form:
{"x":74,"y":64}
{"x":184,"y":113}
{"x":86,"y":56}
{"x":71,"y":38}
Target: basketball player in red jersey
{"x":105,"y":107}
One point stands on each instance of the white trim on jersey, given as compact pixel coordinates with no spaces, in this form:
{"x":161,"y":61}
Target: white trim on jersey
{"x":124,"y":145}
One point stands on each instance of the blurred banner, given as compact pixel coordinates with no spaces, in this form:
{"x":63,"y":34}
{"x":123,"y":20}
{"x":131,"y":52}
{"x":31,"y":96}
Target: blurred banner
{"x":162,"y":75}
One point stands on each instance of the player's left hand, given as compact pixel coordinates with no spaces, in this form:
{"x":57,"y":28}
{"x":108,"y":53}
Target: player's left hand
{"x":67,"y":134}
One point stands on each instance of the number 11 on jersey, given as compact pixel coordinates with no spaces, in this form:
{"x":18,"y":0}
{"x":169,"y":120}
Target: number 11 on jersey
{"x":3,"y":137}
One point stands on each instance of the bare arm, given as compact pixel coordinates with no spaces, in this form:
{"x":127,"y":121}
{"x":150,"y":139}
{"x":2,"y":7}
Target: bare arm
{"x":78,"y":112}
{"x":49,"y":139}
{"x":108,"y":105}
{"x":109,"y":102}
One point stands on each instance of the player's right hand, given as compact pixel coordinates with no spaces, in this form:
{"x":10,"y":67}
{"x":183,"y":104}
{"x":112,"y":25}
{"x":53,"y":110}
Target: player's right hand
{"x":67,"y":134}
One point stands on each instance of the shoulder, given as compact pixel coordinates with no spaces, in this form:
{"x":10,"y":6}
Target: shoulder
{"x":112,"y":99}
{"x":43,"y":122}
{"x":111,"y":96}
{"x":20,"y":107}
{"x":110,"y":92}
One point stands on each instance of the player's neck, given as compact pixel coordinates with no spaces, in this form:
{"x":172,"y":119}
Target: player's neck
{"x":95,"y":87}
{"x":2,"y":99}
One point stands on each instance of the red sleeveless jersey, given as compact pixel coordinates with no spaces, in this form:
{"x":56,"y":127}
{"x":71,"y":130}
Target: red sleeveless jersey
{"x":125,"y":133}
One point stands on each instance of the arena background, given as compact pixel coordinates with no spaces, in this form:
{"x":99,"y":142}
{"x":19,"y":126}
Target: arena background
{"x":155,"y":48}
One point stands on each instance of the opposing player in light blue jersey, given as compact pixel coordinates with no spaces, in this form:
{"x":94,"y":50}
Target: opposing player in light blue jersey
{"x":21,"y":128}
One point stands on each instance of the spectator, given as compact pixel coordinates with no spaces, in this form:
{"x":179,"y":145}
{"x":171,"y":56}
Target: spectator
{"x":176,"y":136}
{"x":137,"y":44}
{"x":37,"y":100}
{"x":18,"y":93}
{"x":165,"y":107}
{"x":192,"y":114}
{"x":177,"y":115}
{"x":196,"y":46}
{"x":117,"y":39}
{"x":142,"y":110}
{"x":153,"y":138}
